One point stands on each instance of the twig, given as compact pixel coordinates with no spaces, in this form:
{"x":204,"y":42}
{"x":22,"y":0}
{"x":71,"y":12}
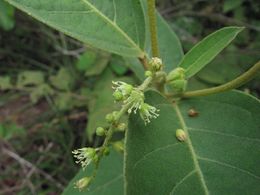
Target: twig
{"x":31,"y":166}
{"x":247,"y":76}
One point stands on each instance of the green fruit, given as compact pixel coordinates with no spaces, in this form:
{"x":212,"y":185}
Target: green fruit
{"x":100,"y":131}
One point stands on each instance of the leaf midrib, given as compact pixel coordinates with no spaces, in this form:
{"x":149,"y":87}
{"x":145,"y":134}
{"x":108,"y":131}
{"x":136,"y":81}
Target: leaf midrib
{"x":114,"y":25}
{"x":192,"y":151}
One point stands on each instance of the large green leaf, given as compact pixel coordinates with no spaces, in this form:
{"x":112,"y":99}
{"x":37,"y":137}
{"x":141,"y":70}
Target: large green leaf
{"x":109,"y":179}
{"x":113,"y":25}
{"x":220,"y":156}
{"x":206,"y":50}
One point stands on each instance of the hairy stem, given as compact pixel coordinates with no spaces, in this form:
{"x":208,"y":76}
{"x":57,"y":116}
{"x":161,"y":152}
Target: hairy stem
{"x":144,"y":62}
{"x":247,"y":76}
{"x":153,"y":27}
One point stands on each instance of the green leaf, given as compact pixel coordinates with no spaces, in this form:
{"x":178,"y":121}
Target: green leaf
{"x":207,"y":49}
{"x":30,"y":77}
{"x":99,"y":65}
{"x":86,"y":60}
{"x":117,"y":64}
{"x":40,"y":91}
{"x":231,"y":4}
{"x":109,"y":179}
{"x":220,"y":155}
{"x":5,"y":83}
{"x":6,"y":16}
{"x":63,"y":80}
{"x":115,"y":26}
{"x":9,"y":130}
{"x":64,"y":101}
{"x":169,"y":45}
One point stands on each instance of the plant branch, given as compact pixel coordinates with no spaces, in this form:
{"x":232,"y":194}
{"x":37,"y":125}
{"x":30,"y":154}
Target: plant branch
{"x":153,"y":27}
{"x":144,"y":62}
{"x":247,"y":76}
{"x":110,"y":131}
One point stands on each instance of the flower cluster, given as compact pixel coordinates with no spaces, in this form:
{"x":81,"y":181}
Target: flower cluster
{"x":122,"y":90}
{"x":85,"y":156}
{"x":147,"y":112}
{"x":134,"y":98}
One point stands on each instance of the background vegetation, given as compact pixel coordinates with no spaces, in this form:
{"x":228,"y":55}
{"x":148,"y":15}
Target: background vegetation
{"x":55,"y":90}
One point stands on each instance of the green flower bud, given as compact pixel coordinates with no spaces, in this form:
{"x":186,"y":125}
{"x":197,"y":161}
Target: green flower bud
{"x":128,"y":89}
{"x":176,"y":74}
{"x":156,"y":64}
{"x":178,"y":86}
{"x":83,"y":183}
{"x":110,"y":118}
{"x":95,"y":158}
{"x":84,"y":156}
{"x":122,"y":87}
{"x":118,"y":146}
{"x":148,"y":73}
{"x":115,"y":114}
{"x":181,"y":135}
{"x":100,"y":131}
{"x":118,"y":96}
{"x":121,"y":127}
{"x":106,"y":151}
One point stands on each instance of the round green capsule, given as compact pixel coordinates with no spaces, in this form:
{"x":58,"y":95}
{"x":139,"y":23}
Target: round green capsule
{"x":110,"y":118}
{"x":121,"y":126}
{"x":148,"y":73}
{"x":100,"y":131}
{"x":118,"y":96}
{"x":106,"y":151}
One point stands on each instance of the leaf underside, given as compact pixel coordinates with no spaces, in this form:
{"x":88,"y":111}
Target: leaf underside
{"x":116,"y":26}
{"x":221,"y":155}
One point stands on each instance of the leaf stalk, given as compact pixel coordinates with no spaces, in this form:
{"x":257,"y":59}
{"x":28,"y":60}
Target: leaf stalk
{"x":247,"y":76}
{"x":153,"y":27}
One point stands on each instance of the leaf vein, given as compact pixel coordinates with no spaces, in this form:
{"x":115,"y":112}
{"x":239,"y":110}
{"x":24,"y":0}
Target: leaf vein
{"x":228,"y":165}
{"x":108,"y":183}
{"x":182,"y":180}
{"x":223,"y":134}
{"x":192,"y":151}
{"x":114,"y":25}
{"x":150,"y":153}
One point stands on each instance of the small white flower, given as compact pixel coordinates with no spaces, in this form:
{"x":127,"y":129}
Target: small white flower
{"x":84,"y":156}
{"x":122,"y":87}
{"x":136,"y":99}
{"x":148,"y":112}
